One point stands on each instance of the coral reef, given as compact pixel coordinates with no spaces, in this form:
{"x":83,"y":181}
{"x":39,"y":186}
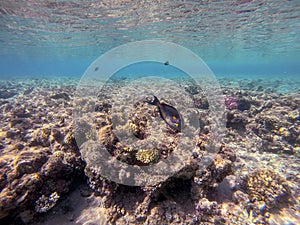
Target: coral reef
{"x":173,"y":201}
{"x":267,"y":186}
{"x":141,"y":124}
{"x":261,"y":193}
{"x":38,"y":158}
{"x":139,"y":119}
{"x":251,"y":176}
{"x":153,"y":143}
{"x":200,"y":185}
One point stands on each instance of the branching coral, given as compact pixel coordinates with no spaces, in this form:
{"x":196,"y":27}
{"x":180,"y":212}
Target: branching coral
{"x":147,"y":155}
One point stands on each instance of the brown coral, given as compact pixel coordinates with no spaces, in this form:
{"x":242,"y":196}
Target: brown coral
{"x":107,"y":137}
{"x":147,"y":155}
{"x":29,"y":161}
{"x":267,"y":186}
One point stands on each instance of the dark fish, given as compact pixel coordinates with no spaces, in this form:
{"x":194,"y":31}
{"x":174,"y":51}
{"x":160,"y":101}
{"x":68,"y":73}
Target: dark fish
{"x":168,"y":113}
{"x":166,"y":63}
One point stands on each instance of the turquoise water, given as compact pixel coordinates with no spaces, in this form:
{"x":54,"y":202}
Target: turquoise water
{"x":251,"y":46}
{"x":256,"y":38}
{"x":144,"y":69}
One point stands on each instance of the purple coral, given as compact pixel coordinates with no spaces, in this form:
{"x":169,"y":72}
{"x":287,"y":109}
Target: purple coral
{"x":231,"y":102}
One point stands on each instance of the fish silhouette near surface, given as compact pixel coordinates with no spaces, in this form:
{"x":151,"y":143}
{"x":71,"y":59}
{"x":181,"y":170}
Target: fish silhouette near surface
{"x":169,"y":114}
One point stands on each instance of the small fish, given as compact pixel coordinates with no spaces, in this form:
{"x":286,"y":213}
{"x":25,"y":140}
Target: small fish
{"x":169,"y":114}
{"x":166,"y":63}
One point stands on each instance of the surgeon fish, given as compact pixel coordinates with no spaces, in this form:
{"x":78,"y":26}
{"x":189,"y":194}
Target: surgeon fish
{"x":169,"y":114}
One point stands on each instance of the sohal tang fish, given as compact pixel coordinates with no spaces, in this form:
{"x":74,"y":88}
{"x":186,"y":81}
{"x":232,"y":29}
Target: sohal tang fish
{"x":168,"y":113}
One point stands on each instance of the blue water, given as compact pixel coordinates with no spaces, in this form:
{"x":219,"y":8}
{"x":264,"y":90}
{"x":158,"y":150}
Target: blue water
{"x":145,"y":69}
{"x":62,"y":38}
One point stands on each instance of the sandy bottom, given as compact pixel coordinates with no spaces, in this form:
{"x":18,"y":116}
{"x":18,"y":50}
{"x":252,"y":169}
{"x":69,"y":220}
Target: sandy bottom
{"x":77,"y":209}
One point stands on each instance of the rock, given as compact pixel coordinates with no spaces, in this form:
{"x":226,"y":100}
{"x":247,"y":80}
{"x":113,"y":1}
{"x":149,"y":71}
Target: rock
{"x":243,"y":104}
{"x":28,"y":90}
{"x":201,"y":103}
{"x":29,"y":161}
{"x":2,"y":102}
{"x":10,"y":134}
{"x":5,"y":94}
{"x":19,"y":193}
{"x":63,"y":96}
{"x":192,"y":89}
{"x":236,"y":121}
{"x":207,"y":208}
{"x":240,"y":197}
{"x":85,"y":191}
{"x":227,"y":187}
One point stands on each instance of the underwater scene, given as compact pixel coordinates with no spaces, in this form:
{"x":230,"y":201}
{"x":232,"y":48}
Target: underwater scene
{"x":134,"y":112}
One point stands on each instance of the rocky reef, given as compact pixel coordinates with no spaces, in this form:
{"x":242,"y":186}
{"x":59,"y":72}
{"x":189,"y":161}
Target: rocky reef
{"x":267,"y":186}
{"x":39,"y":159}
{"x":154,"y":142}
{"x":249,"y":176}
{"x":174,"y":201}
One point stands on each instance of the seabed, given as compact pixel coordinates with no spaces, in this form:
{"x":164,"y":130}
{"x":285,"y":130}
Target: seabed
{"x":253,"y":178}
